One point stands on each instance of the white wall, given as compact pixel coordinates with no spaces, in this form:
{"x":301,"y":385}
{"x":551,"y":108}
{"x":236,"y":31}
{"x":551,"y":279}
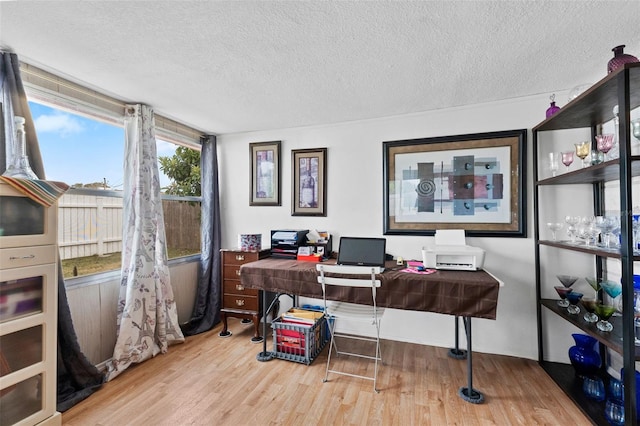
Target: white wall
{"x":355,"y":207}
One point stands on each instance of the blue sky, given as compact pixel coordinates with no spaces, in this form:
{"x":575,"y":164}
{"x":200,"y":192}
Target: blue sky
{"x":76,"y":149}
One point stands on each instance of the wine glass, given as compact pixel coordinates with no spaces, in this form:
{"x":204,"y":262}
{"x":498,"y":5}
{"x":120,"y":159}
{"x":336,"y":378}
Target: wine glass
{"x":562,"y":292}
{"x":604,"y":312}
{"x":597,"y":157}
{"x":605,"y":225}
{"x":635,"y":128}
{"x":589,"y":306}
{"x":591,"y":234}
{"x":593,"y":282}
{"x":613,"y":289}
{"x":585,"y":231}
{"x":574,"y":298}
{"x":582,"y":151}
{"x":554,"y":162}
{"x":567,"y":158}
{"x":554,"y":227}
{"x":567,"y":280}
{"x":604,"y":143}
{"x":572,"y":221}
{"x":615,"y":230}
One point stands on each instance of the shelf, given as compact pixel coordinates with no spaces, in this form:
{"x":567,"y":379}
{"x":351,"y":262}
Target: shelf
{"x":591,"y":109}
{"x":612,"y":339}
{"x":598,"y":251}
{"x":565,"y":377}
{"x":607,"y":171}
{"x":595,"y":106}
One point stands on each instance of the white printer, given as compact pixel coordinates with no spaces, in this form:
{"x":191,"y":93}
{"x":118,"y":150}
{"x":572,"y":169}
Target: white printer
{"x":451,"y":252}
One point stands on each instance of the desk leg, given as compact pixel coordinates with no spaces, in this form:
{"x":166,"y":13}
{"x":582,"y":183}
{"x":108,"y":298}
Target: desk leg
{"x":469,"y":394}
{"x":456,"y":352}
{"x":264,"y":355}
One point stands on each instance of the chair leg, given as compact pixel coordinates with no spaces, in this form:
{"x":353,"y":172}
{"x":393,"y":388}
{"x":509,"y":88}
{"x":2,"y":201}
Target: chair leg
{"x":378,"y":356}
{"x":331,"y":325}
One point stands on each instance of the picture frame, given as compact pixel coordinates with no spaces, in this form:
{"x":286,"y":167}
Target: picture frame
{"x":309,"y":179}
{"x":475,"y":182}
{"x":265,"y":189}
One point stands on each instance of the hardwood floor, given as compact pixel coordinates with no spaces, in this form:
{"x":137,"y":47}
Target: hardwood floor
{"x":211,"y":380}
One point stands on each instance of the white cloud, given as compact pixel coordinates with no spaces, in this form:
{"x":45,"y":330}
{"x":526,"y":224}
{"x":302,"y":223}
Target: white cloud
{"x":60,"y":123}
{"x":165,"y":149}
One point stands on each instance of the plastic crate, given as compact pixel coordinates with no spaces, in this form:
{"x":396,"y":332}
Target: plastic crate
{"x":298,"y":342}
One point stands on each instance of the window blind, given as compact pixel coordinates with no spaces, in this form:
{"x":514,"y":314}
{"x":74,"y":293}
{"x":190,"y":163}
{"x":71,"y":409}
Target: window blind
{"x":59,"y":92}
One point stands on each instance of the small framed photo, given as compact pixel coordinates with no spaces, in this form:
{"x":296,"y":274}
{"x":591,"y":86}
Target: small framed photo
{"x":265,"y":174}
{"x":309,"y":195}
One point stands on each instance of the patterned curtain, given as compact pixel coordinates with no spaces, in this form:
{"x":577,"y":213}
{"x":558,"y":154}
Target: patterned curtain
{"x":147,"y":314}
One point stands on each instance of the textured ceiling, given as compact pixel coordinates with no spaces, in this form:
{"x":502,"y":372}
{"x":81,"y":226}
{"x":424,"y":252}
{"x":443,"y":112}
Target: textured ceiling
{"x":226,"y":67}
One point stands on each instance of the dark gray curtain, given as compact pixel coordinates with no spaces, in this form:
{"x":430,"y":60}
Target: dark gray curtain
{"x":77,"y":377}
{"x":206,"y":312}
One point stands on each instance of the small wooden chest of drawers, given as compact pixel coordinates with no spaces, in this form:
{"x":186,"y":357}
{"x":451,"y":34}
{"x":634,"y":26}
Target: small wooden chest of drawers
{"x":237,"y":301}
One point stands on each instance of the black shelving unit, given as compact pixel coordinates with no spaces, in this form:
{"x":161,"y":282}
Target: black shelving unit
{"x":590,"y":110}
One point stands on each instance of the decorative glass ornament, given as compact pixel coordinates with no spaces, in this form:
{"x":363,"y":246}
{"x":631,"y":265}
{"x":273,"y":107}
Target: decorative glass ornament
{"x":619,"y":59}
{"x":553,"y":108}
{"x":18,"y":162}
{"x":577,"y":91}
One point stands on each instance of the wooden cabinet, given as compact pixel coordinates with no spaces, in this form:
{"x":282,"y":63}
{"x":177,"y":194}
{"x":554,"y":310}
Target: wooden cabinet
{"x":613,"y":181}
{"x":237,"y":301}
{"x":28,"y":311}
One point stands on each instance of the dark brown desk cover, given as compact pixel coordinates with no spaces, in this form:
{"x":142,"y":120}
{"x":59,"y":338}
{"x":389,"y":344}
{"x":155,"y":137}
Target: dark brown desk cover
{"x":463,"y":293}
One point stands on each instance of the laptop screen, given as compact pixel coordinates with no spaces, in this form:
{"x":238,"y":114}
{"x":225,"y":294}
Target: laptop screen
{"x":362,"y":251}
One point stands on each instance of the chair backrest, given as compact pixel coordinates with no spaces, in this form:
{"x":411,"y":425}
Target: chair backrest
{"x":354,"y":275}
{"x":348,"y":276}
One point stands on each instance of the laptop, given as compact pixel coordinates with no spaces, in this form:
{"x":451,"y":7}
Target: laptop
{"x":362,"y":251}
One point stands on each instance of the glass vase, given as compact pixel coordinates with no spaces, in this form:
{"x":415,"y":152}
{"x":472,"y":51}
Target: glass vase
{"x":584,"y":358}
{"x":619,"y":59}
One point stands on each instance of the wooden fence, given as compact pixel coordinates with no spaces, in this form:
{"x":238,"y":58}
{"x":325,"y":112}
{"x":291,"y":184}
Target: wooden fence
{"x":91,"y":225}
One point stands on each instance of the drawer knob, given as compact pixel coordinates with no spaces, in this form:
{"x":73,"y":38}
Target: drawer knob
{"x":239,"y":287}
{"x":240,"y":302}
{"x":238,"y":272}
{"x":239,"y":256}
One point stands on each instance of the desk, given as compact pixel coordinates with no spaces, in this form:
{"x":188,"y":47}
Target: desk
{"x":464,"y":294}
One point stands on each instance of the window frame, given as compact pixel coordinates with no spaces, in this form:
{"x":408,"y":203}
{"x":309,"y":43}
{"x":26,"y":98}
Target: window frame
{"x":56,"y":92}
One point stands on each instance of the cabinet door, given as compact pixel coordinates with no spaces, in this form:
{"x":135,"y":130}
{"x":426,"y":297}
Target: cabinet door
{"x":28,"y":336}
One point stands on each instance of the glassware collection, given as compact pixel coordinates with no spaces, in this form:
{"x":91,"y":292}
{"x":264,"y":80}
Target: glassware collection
{"x":590,"y":154}
{"x":599,"y":311}
{"x":600,"y":232}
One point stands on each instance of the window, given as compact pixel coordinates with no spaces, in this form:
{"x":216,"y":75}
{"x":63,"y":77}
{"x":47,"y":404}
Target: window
{"x":87,"y":154}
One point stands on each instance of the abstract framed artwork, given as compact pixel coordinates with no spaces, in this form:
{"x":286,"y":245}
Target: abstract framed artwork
{"x":309,"y":178}
{"x":475,"y":182}
{"x":265,"y":174}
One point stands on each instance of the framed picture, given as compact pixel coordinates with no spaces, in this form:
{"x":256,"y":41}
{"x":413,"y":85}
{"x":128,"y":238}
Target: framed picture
{"x":474,"y":182}
{"x":309,"y":194}
{"x":265,"y":174}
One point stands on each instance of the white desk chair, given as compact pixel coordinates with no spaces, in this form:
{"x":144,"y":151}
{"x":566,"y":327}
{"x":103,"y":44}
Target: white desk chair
{"x":351,"y":276}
